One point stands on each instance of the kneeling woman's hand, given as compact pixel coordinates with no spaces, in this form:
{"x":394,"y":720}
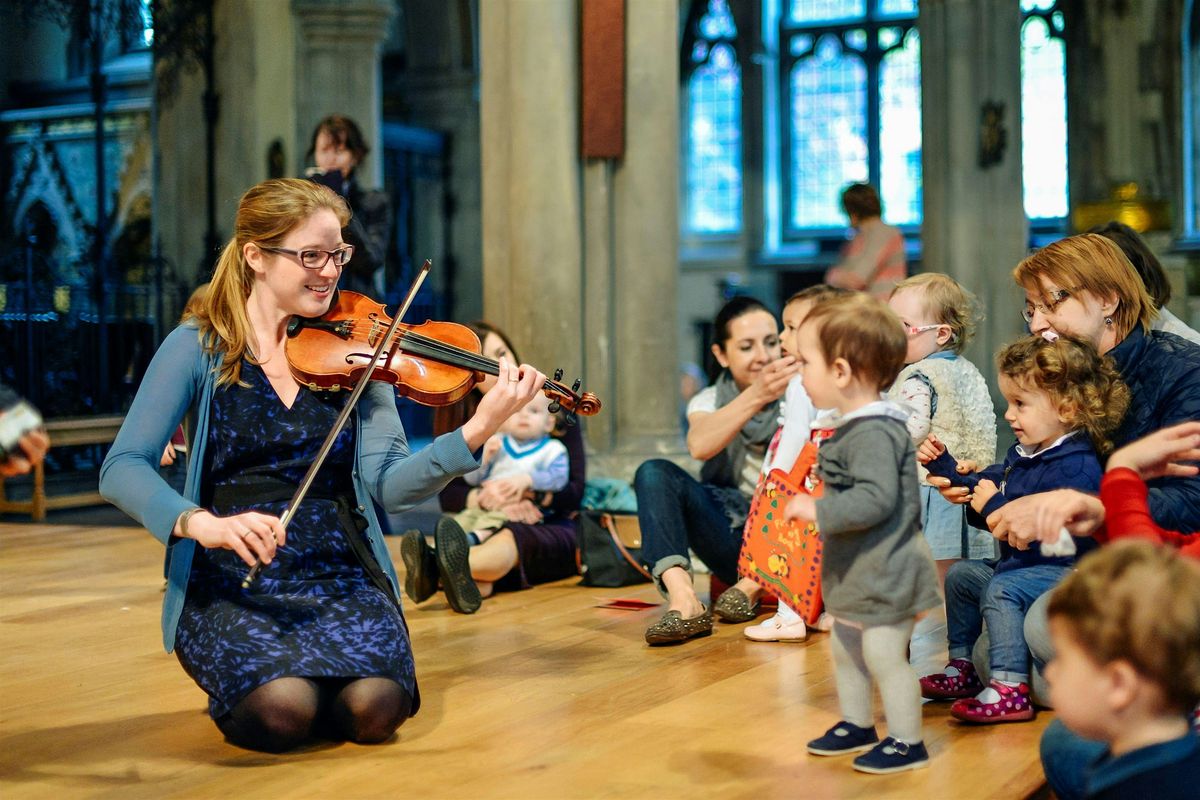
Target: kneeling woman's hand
{"x":250,"y":534}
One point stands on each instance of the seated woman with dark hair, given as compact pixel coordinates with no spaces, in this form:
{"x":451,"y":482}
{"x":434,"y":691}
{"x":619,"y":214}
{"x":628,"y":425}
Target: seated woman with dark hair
{"x":730,"y":425}
{"x":536,"y":545}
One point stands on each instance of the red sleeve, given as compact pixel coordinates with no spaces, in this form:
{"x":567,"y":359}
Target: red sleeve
{"x":1127,"y":513}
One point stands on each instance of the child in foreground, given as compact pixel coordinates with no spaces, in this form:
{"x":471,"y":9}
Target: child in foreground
{"x":877,"y":572}
{"x":1126,"y":633}
{"x":1064,"y":402}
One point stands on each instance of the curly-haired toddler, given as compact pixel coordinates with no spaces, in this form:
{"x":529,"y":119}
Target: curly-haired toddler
{"x":1064,"y":402}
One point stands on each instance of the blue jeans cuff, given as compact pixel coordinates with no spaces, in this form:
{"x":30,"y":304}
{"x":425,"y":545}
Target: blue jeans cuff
{"x":665,"y":563}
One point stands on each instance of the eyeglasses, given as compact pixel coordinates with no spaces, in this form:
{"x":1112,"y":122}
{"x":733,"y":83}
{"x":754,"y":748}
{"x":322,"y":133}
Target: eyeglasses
{"x":1054,"y":299}
{"x":913,"y":330}
{"x":316,"y":259}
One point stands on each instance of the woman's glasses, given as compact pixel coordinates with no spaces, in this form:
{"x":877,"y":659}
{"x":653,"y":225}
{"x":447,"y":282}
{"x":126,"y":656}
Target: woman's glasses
{"x":913,"y":330}
{"x":1054,"y":299}
{"x":316,"y":259}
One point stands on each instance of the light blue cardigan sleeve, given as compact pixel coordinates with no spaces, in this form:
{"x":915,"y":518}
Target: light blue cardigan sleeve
{"x":396,"y":477}
{"x":129,"y":477}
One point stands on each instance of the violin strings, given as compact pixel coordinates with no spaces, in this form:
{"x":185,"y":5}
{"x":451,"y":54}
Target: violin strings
{"x":434,"y":348}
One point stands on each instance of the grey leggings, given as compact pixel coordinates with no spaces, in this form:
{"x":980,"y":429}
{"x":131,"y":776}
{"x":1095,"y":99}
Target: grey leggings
{"x":879,"y":653}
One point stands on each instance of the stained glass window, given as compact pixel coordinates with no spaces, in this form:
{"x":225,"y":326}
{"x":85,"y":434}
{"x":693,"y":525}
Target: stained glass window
{"x":1043,"y":110}
{"x":713,"y":126}
{"x":900,"y":132}
{"x":829,"y":148}
{"x":853,"y":80}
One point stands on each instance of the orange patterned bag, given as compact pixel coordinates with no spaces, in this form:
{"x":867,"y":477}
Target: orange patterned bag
{"x":784,"y":557}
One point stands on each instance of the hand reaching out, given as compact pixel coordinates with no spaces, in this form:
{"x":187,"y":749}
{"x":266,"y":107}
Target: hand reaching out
{"x":930,"y":449}
{"x":1161,"y":453}
{"x":773,"y":380}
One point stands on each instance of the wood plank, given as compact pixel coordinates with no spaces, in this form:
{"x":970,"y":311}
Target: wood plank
{"x":539,"y":695}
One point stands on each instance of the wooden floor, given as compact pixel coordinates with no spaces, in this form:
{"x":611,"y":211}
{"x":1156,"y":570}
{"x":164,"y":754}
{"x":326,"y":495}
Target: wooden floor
{"x":539,"y":695}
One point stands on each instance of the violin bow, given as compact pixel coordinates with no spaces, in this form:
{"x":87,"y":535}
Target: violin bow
{"x":359,"y":387}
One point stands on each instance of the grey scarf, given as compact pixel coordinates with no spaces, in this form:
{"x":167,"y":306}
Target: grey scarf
{"x":725,"y":468}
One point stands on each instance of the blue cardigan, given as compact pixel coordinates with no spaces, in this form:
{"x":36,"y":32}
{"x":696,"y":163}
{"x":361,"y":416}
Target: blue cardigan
{"x":181,"y":379}
{"x":1071,"y":464}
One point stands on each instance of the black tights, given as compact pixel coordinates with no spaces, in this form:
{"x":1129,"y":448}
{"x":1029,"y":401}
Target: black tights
{"x":285,"y":712}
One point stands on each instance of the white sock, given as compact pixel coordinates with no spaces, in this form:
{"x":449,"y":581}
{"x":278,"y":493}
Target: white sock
{"x":785,"y":615}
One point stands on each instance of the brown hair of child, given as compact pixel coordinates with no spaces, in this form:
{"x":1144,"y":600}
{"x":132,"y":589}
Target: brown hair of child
{"x":947,"y":303}
{"x":863,"y":331}
{"x":1084,"y":385}
{"x":1138,"y":602}
{"x":817,"y":294}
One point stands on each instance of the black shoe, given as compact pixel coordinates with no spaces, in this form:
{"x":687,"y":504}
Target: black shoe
{"x":420,"y":567}
{"x":453,"y":560}
{"x":845,"y":737}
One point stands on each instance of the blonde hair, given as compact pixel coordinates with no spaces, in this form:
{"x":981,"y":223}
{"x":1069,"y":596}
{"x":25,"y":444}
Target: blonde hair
{"x":865,"y":332}
{"x":1092,"y":263}
{"x":266,"y":214}
{"x":1085,"y":386}
{"x":816,"y":294}
{"x":1138,"y":602}
{"x":948,"y":303}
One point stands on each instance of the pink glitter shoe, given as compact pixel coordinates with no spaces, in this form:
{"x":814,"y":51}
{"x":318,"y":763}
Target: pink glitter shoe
{"x":1013,"y":705}
{"x":941,"y":686}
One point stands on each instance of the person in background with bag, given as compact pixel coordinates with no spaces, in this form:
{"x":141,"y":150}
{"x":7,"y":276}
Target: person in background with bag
{"x":337,"y":148}
{"x":536,"y":545}
{"x":795,"y":431}
{"x":873,"y":261}
{"x":730,"y":425}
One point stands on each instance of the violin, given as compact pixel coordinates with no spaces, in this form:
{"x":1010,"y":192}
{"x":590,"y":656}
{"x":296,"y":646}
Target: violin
{"x":434,"y":363}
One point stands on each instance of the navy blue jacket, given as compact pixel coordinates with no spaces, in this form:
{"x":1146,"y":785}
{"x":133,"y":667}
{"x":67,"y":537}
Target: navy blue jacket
{"x":1073,"y":464}
{"x":1162,"y":371}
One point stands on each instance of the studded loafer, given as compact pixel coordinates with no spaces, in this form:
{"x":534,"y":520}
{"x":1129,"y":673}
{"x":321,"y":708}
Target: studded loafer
{"x":734,"y":606}
{"x":673,"y":628}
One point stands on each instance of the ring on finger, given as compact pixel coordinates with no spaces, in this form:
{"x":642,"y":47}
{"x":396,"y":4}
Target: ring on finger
{"x":245,"y":532}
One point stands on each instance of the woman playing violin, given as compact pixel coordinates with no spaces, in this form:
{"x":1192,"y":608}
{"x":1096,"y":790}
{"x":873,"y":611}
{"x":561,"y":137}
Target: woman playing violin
{"x":317,"y":646}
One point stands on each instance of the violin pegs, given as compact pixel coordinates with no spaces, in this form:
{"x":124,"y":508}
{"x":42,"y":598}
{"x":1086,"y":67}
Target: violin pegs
{"x":554,"y":407}
{"x":575,"y":386}
{"x":558,"y":373}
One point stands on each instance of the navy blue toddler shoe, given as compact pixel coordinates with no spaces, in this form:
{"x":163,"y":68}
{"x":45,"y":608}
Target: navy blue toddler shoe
{"x":892,"y":755}
{"x":842,"y":738}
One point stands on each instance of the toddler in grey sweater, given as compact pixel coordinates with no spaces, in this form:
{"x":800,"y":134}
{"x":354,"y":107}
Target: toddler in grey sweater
{"x":877,"y":572}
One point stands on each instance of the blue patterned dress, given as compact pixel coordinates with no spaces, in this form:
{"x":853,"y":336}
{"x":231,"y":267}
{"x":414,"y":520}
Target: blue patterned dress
{"x":315,"y":611}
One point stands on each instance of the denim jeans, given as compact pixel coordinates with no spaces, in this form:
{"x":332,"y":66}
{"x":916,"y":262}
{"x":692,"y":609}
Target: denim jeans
{"x":676,"y":512}
{"x":976,"y":593}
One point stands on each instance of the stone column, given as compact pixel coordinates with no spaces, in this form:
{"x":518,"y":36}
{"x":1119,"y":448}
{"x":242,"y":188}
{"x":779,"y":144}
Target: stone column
{"x":337,"y":69}
{"x":975,"y":227}
{"x":580,"y":258}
